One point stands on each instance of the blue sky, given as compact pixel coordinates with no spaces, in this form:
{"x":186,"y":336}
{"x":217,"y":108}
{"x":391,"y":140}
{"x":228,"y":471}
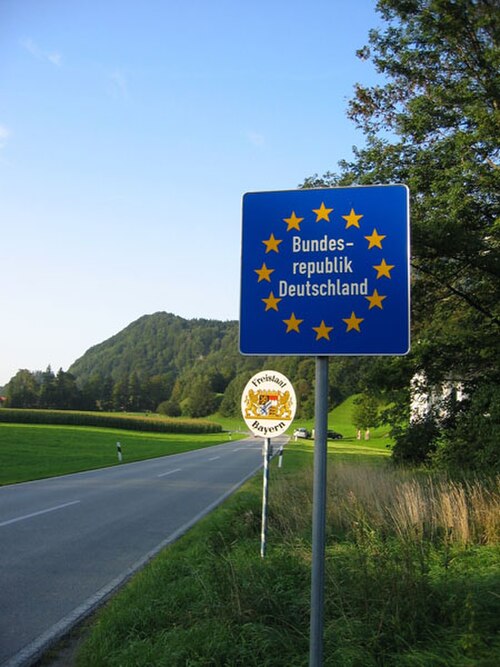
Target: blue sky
{"x":129,"y":132}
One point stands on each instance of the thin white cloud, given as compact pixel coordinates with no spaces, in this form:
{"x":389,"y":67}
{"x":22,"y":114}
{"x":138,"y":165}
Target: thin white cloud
{"x":118,"y":87}
{"x":53,"y":57}
{"x":256,"y":139}
{"x":4,"y":135}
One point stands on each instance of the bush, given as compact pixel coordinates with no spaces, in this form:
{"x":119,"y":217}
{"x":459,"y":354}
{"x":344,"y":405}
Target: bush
{"x":416,"y":443}
{"x":471,"y":442}
{"x":169,"y":408}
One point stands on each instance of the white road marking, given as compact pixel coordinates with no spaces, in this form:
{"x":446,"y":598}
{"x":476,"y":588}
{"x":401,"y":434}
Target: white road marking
{"x":214,"y":458}
{"x":29,"y":516}
{"x":169,"y":472}
{"x":247,"y":449}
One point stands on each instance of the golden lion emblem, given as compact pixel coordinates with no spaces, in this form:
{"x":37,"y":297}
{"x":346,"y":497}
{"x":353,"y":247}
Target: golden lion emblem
{"x":264,"y":404}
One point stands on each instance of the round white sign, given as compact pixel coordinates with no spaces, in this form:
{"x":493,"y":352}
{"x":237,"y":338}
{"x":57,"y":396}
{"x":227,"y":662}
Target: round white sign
{"x":268,"y":404}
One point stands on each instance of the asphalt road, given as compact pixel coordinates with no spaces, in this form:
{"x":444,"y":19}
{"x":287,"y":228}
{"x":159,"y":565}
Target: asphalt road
{"x":67,"y":543}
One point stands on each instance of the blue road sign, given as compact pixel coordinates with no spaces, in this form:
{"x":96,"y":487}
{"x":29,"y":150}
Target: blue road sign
{"x":326,"y":272}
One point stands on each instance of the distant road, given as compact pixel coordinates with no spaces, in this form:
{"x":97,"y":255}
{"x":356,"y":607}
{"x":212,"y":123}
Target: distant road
{"x":67,"y":542}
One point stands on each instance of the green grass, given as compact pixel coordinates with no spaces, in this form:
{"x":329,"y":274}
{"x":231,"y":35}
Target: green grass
{"x":232,"y":424}
{"x":30,"y":452}
{"x":390,"y":600}
{"x":412,"y":567}
{"x":35,"y":451}
{"x":376,"y":450}
{"x":340,"y":420}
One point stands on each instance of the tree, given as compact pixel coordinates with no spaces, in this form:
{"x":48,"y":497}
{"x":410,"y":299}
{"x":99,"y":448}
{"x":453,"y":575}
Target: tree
{"x":120,"y":394}
{"x":92,"y":393}
{"x":48,"y":390}
{"x":23,"y":390}
{"x":365,"y":412}
{"x":434,"y":124}
{"x":67,"y":394}
{"x":201,"y":400}
{"x":442,"y":102}
{"x":479,"y":415}
{"x":231,"y":402}
{"x":157,"y":389}
{"x":134,"y":394}
{"x":170,"y":408}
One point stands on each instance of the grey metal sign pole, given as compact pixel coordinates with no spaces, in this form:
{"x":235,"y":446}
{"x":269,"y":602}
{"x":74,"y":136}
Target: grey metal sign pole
{"x":319,"y":514}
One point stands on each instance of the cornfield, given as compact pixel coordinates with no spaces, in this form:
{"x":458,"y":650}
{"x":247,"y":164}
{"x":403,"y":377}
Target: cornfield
{"x":107,"y":420}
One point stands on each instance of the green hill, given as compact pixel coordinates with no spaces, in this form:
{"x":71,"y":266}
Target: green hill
{"x":158,"y":344}
{"x":179,"y":366}
{"x":191,"y":367}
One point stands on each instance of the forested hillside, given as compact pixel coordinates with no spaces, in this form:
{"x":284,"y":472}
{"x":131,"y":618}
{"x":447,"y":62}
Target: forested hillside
{"x":179,"y":366}
{"x":155,"y":344}
{"x":163,"y":358}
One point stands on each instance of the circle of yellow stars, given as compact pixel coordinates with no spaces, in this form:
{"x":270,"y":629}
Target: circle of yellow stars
{"x":353,"y":322}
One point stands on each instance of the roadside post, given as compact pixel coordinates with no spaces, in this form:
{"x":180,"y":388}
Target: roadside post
{"x":325,"y":272}
{"x":119,"y":452}
{"x":268,"y":406}
{"x":266,"y":448}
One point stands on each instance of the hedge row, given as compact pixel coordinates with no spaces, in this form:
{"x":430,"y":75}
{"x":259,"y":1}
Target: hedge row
{"x":107,"y":420}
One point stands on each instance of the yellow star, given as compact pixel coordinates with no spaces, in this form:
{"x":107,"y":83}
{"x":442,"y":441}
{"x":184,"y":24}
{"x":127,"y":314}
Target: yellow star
{"x":375,"y":300}
{"x":375,"y":240}
{"x":272,"y":244}
{"x":292,"y":324}
{"x":322,"y":212}
{"x":353,"y":322}
{"x":293,"y":222}
{"x":383,"y":269}
{"x":322,"y":331}
{"x":352,"y":219}
{"x":264,"y":273}
{"x":272,"y":302}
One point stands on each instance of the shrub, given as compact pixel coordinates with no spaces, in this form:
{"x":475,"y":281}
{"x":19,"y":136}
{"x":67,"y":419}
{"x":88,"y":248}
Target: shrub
{"x":417,"y":443}
{"x":471,"y":442}
{"x":169,"y":408}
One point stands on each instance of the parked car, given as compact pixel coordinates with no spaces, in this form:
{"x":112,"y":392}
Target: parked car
{"x":301,"y":433}
{"x":333,"y":435}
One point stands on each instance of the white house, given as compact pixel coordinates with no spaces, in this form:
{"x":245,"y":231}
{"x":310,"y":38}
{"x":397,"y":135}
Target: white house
{"x":427,"y":399}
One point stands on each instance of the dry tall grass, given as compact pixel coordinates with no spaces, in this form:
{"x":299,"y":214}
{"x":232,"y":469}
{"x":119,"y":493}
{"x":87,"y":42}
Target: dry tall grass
{"x":395,"y":502}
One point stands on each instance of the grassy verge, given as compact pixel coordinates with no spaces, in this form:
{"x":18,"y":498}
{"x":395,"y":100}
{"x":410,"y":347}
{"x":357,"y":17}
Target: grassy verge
{"x":30,"y":452}
{"x":340,"y":420}
{"x":411,"y":577}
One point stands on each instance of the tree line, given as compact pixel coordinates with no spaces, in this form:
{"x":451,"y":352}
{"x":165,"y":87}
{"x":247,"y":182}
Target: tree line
{"x":162,"y":362}
{"x":63,"y":391}
{"x":199,"y":390}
